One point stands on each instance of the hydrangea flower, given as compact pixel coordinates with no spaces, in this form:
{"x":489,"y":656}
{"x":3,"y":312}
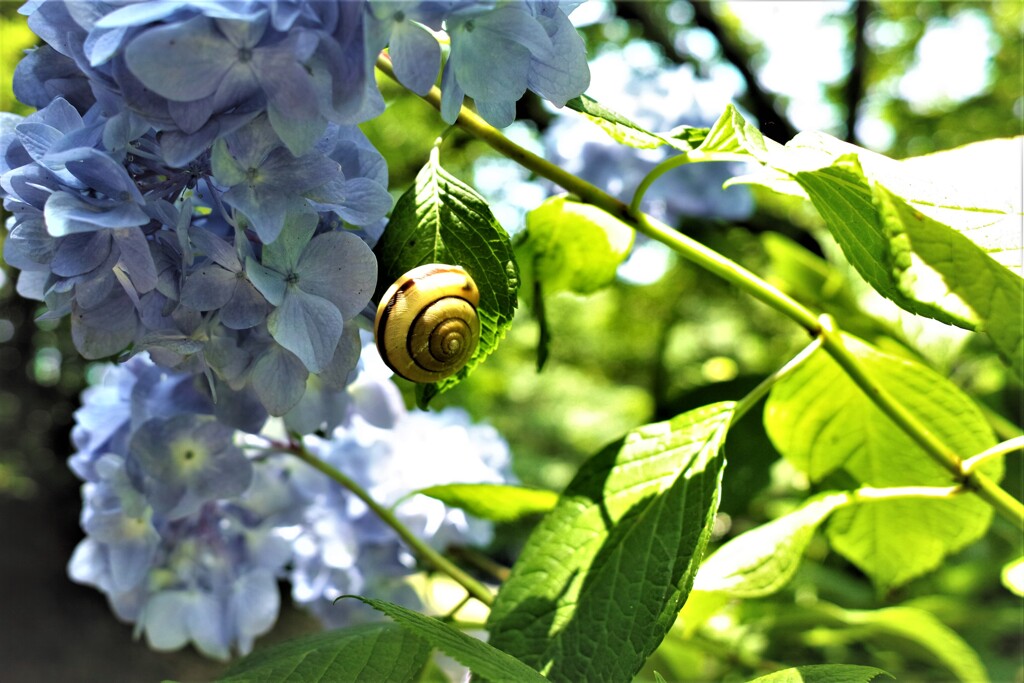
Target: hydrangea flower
{"x":188,"y":538}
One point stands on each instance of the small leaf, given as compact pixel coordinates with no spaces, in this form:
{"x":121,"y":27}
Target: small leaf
{"x":482,"y":659}
{"x":442,"y":220}
{"x":620,"y":128}
{"x":495,"y":502}
{"x":371,"y":652}
{"x":574,"y":247}
{"x":821,"y":421}
{"x":603,"y":576}
{"x":732,"y":133}
{"x":922,"y":631}
{"x":763,"y":560}
{"x":824,"y":673}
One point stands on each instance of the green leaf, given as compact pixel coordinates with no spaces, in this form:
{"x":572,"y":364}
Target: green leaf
{"x":372,"y":652}
{"x":574,"y":247}
{"x":482,"y":659}
{"x":620,"y":128}
{"x":912,"y":234}
{"x":922,"y":632}
{"x":821,"y":421}
{"x":931,"y":262}
{"x":603,"y":576}
{"x":496,"y":502}
{"x":732,"y":133}
{"x":442,"y":220}
{"x":763,"y":560}
{"x":824,"y":673}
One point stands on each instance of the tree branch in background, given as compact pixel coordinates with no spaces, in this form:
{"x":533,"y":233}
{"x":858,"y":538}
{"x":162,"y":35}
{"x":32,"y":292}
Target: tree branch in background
{"x":854,"y":90}
{"x":763,"y":104}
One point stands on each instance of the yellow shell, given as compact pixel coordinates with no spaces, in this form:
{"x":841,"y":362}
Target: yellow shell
{"x":427,"y":326}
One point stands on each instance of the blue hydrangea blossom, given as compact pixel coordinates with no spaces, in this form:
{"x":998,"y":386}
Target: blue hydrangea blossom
{"x":191,"y":554}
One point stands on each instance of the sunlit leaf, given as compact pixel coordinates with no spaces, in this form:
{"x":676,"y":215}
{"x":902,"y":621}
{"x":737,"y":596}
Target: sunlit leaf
{"x":824,"y":673}
{"x":482,"y":659}
{"x":763,"y":560}
{"x":377,"y":652}
{"x":603,"y":576}
{"x":821,"y":421}
{"x":496,"y":502}
{"x":575,"y":247}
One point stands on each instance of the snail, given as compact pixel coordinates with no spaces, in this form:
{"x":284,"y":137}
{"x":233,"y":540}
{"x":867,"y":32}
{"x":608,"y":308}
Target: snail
{"x":427,"y":327}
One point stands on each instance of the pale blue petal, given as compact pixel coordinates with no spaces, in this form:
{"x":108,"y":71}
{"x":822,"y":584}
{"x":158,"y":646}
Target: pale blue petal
{"x":279,"y":379}
{"x":307,"y":325}
{"x":498,"y":113}
{"x":339,"y":267}
{"x":208,"y":287}
{"x":165,"y":620}
{"x":270,"y":283}
{"x":106,"y":329}
{"x":67,"y":214}
{"x":566,"y":74}
{"x":247,"y":308}
{"x":136,"y":259}
{"x":416,"y":55}
{"x":183,"y":61}
{"x":80,"y":253}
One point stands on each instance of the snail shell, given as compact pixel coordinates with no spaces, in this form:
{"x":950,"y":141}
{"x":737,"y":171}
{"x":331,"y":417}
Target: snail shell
{"x":427,"y":326}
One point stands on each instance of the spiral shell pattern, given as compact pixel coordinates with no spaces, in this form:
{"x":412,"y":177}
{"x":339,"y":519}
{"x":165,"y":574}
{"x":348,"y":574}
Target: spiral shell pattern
{"x":427,"y":327}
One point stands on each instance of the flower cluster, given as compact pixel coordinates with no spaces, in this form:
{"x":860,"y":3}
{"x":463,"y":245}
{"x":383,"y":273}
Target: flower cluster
{"x":194,"y":185}
{"x":187,"y":534}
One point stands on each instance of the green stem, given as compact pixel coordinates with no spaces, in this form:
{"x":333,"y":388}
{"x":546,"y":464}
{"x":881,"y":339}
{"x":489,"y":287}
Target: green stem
{"x":867,"y":494}
{"x":999,"y":450}
{"x":439,"y":561}
{"x":667,"y":165}
{"x":732,"y":272}
{"x":759,"y":392}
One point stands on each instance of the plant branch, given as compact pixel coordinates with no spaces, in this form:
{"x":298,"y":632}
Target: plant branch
{"x":711,"y":261}
{"x":854,"y":87}
{"x":764,"y":105}
{"x":1009,"y":446}
{"x":759,"y":392}
{"x":439,"y":561}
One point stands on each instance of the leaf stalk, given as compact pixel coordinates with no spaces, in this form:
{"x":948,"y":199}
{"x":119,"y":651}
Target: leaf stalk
{"x":436,"y":559}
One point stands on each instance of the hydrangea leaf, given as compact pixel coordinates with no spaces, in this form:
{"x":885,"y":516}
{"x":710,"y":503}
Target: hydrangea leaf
{"x":732,"y":133}
{"x":617,"y":126}
{"x":484,"y":660}
{"x":916,"y":633}
{"x":575,"y":247}
{"x":763,"y":560}
{"x":602,"y":577}
{"x":821,"y":421}
{"x":442,"y":220}
{"x":378,"y":652}
{"x":824,"y":673}
{"x":912,"y":233}
{"x":494,"y":502}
